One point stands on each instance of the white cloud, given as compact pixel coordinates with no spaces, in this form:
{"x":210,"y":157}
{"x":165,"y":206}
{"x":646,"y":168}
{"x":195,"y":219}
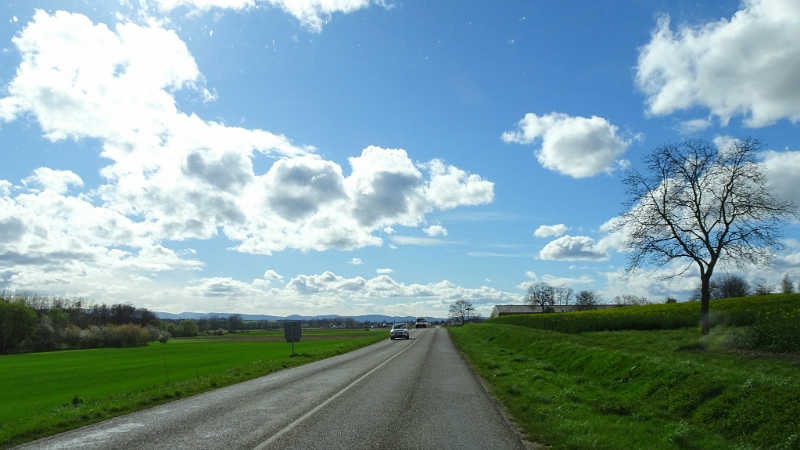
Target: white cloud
{"x":55,"y":241}
{"x":783,"y":172}
{"x":550,"y":230}
{"x":355,"y":262}
{"x":435,"y":230}
{"x":410,"y":240}
{"x":384,"y":271}
{"x":272,"y":275}
{"x":553,"y":280}
{"x":450,"y":186}
{"x":573,"y":248}
{"x":579,"y":147}
{"x":747,"y":65}
{"x":694,"y":125}
{"x":184,"y":177}
{"x":57,"y":181}
{"x":311,"y":13}
{"x":724,"y":142}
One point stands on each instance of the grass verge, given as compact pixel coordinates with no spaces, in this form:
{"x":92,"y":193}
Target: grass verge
{"x":48,"y":393}
{"x":637,"y":389}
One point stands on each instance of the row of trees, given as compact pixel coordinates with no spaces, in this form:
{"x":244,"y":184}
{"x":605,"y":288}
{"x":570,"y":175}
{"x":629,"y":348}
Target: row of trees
{"x":545,"y":295}
{"x":732,"y":286}
{"x":80,"y":312}
{"x":32,"y":322}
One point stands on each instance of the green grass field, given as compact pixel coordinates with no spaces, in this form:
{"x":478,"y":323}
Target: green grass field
{"x":45,"y":393}
{"x":655,"y":389}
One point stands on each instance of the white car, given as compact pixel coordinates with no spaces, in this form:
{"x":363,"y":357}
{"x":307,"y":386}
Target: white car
{"x":399,"y":330}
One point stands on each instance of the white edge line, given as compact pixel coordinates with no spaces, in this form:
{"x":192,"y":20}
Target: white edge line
{"x":305,"y":416}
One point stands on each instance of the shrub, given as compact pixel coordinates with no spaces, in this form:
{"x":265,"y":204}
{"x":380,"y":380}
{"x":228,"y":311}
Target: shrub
{"x":777,"y":335}
{"x":17,"y":323}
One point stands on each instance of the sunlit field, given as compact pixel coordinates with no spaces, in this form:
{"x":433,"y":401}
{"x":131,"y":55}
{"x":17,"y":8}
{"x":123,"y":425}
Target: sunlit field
{"x":649,"y":383}
{"x":45,"y":393}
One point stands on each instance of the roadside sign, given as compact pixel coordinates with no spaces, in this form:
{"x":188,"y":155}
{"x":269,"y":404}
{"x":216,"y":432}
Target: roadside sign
{"x":292,"y":331}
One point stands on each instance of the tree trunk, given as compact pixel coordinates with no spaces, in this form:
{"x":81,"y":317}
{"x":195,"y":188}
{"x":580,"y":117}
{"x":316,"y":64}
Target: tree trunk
{"x":705,"y":297}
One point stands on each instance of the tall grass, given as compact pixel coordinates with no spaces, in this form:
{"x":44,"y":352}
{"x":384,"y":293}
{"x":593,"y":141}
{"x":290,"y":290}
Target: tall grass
{"x":667,"y":389}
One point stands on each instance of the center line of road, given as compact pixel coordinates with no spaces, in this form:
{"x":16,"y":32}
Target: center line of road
{"x":305,"y":416}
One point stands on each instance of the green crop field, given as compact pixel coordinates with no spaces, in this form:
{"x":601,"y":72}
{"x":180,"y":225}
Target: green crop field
{"x":44,"y":393}
{"x":656,"y":387}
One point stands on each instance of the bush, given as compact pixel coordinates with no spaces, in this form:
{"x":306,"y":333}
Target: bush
{"x":129,"y":335}
{"x":187,"y":328}
{"x":778,"y":335}
{"x":17,"y":323}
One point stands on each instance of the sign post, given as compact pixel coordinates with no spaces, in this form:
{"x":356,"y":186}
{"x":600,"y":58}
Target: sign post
{"x":292,"y":331}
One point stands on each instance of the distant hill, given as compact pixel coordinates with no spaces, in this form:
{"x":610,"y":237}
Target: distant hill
{"x":374,"y":318}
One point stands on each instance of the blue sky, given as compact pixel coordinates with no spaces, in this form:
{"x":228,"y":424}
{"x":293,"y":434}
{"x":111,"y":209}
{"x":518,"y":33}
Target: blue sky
{"x":360,"y":156}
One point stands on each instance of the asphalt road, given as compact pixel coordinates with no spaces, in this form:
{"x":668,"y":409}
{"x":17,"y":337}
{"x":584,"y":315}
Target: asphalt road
{"x":404,"y":394}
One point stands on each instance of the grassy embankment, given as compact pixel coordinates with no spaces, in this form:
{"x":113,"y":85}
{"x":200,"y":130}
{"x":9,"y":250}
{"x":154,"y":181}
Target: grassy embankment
{"x":47,"y":393}
{"x":655,"y":386}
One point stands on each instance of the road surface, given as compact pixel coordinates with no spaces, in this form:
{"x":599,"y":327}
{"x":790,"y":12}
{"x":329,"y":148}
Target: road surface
{"x":404,"y":394}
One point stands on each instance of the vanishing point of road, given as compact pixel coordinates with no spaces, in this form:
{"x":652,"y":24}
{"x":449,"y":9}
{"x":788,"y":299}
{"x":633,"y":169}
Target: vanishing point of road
{"x":405,"y":394}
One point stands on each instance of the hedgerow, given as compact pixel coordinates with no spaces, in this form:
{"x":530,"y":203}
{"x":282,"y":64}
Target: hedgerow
{"x":741,"y":312}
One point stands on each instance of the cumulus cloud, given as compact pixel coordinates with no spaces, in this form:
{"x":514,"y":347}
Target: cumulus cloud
{"x":783,"y":172}
{"x":573,"y":248}
{"x":435,"y":230}
{"x":173,"y":176}
{"x":550,"y":230}
{"x":190,"y":178}
{"x":745,"y":66}
{"x":723,"y":142}
{"x":355,"y":262}
{"x":49,"y":239}
{"x":311,"y":13}
{"x":57,"y":181}
{"x":272,"y":275}
{"x":579,"y":147}
{"x":384,"y":271}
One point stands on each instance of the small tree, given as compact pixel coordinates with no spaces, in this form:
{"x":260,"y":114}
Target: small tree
{"x":762,"y":288}
{"x":587,"y":300}
{"x":702,"y":205}
{"x":234,"y":322}
{"x":563,"y":295}
{"x":461,"y":310}
{"x":732,"y":286}
{"x":187,"y":328}
{"x":786,"y":285}
{"x":541,"y":294}
{"x":17,"y":323}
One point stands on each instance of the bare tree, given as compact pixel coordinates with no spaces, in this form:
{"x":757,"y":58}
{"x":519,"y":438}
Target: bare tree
{"x":762,"y":288}
{"x":587,"y":300}
{"x":702,"y":204}
{"x":461,"y":310}
{"x":563,"y":295}
{"x":732,"y":286}
{"x":541,"y":294}
{"x":630,"y":300}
